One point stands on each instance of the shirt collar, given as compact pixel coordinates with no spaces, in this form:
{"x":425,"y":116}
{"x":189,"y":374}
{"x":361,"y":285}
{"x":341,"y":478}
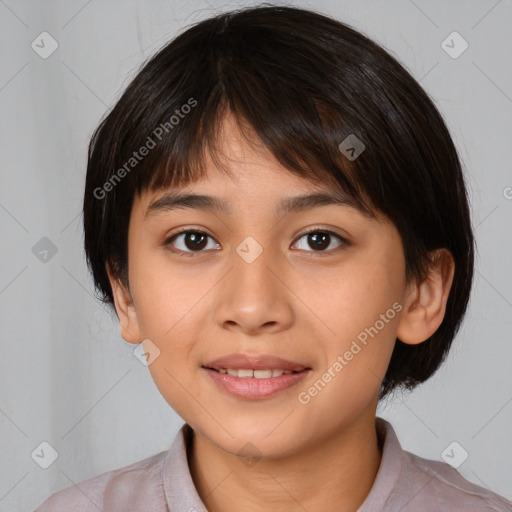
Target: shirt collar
{"x":181,"y":494}
{"x":180,"y":491}
{"x":381,"y":495}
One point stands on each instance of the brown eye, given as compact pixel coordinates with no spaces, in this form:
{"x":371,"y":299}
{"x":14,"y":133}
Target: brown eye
{"x":191,"y":241}
{"x":320,"y":241}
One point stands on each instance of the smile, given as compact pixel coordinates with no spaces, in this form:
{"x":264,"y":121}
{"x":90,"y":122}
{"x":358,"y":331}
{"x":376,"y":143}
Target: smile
{"x":251,"y":384}
{"x":256,"y":374}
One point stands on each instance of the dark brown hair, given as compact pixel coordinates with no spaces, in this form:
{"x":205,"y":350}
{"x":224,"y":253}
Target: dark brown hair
{"x":302,"y":82}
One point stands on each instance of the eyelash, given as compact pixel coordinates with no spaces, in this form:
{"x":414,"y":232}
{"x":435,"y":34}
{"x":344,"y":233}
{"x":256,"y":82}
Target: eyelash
{"x":193,"y":254}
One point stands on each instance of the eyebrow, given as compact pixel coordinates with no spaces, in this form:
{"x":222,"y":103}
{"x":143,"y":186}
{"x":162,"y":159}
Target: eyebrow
{"x":173,"y":201}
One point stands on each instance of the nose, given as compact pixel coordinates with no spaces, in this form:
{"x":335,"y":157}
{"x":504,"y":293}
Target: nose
{"x":254,"y":297}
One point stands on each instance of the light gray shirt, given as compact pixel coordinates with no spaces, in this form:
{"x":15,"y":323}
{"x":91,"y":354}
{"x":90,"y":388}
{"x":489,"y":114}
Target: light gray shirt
{"x":162,"y":483}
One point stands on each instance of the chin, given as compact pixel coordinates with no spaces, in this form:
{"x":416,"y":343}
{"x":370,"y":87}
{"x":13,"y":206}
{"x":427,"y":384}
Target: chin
{"x":269,"y":439}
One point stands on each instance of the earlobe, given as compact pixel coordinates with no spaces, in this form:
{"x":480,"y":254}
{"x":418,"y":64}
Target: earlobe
{"x":425,"y":303}
{"x":125,"y":308}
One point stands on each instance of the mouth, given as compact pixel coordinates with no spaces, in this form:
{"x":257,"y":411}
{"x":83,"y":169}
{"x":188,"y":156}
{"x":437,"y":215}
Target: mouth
{"x":255,"y":363}
{"x":250,"y":373}
{"x":255,"y":377}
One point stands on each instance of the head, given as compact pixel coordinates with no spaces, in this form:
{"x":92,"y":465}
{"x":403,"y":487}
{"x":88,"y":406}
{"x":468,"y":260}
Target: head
{"x":255,"y":107}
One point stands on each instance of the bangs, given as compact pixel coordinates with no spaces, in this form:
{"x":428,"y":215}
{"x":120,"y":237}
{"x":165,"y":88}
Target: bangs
{"x":295,"y":143}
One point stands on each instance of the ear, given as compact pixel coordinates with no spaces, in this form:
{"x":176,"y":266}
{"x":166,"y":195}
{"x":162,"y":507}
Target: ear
{"x":425,"y":303}
{"x":123,"y":301}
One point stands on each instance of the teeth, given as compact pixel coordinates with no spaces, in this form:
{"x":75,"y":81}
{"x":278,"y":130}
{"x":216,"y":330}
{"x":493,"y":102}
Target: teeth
{"x":257,"y":374}
{"x":262,"y":374}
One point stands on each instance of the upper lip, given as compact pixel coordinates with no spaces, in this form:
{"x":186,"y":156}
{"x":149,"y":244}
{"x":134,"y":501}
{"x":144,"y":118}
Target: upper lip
{"x":254,"y":362}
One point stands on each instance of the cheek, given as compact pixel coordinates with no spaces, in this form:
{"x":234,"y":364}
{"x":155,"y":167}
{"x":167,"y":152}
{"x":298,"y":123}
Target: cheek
{"x":355,"y":365}
{"x":171,"y":379}
{"x":167,"y":307}
{"x":165,"y":293}
{"x":361,"y":307}
{"x":354,"y":296}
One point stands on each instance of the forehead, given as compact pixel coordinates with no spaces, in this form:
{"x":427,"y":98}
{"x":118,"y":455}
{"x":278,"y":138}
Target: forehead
{"x":258,"y":181}
{"x":238,"y":168}
{"x":174,"y":200}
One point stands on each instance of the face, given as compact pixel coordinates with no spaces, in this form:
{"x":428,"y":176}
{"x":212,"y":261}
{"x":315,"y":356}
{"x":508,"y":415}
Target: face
{"x":315,"y":291}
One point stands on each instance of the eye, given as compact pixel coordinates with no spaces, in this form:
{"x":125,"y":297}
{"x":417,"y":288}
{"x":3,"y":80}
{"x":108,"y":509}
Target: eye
{"x":191,"y":241}
{"x":320,"y":240}
{"x":188,"y":242}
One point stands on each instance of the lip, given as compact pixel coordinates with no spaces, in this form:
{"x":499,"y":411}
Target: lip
{"x":252,"y":388}
{"x":255,"y":389}
{"x":256,"y":362}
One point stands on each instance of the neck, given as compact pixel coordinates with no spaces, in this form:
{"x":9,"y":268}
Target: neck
{"x":335,"y":474}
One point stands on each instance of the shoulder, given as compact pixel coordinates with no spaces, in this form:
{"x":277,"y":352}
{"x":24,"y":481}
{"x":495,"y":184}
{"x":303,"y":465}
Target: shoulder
{"x":119,"y":489}
{"x":410,"y":483}
{"x":438,"y":486}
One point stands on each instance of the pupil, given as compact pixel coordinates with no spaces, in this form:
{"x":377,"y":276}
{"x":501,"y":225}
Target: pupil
{"x":320,"y":240}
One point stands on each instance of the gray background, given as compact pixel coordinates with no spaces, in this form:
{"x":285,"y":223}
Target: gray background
{"x":68,"y":378}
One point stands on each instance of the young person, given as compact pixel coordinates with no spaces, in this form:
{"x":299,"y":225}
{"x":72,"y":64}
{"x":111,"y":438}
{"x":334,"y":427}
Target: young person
{"x":276,"y":210}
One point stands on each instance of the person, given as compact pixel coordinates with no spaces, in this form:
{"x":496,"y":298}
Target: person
{"x":277,"y":212}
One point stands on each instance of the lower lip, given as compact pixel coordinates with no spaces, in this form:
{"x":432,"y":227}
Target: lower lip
{"x":252,"y":388}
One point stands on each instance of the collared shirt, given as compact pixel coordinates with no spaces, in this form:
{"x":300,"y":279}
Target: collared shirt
{"x":162,"y":483}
